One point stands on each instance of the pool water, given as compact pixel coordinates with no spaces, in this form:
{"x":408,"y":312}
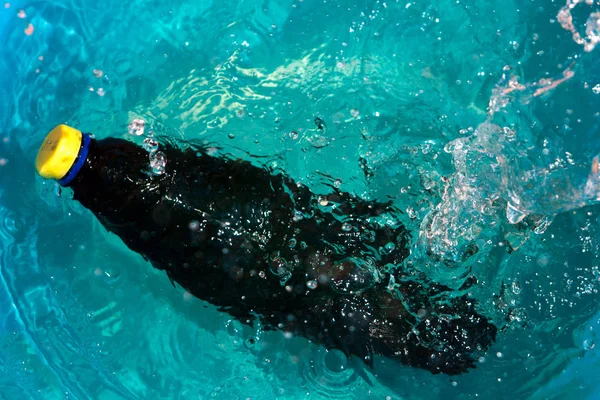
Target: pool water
{"x":479,"y":119}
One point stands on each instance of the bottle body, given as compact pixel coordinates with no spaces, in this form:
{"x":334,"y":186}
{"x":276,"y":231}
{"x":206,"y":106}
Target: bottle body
{"x":258,"y":245}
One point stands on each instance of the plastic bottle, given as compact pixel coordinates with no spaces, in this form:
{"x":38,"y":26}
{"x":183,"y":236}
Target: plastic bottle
{"x":258,"y":245}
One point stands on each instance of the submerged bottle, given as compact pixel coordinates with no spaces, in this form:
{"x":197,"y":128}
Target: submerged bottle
{"x":256,"y":244}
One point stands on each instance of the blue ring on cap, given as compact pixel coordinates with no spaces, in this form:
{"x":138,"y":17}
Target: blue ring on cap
{"x":81,"y":157}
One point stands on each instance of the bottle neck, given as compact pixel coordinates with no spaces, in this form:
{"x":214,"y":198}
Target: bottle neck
{"x":86,"y":141}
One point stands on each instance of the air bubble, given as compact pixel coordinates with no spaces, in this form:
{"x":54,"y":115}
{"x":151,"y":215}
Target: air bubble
{"x":280,"y":268}
{"x":318,"y":141}
{"x":293,"y":135}
{"x":150,"y":145}
{"x":516,"y":287}
{"x":158,"y":162}
{"x":137,"y":126}
{"x":312,"y":284}
{"x":389,"y":247}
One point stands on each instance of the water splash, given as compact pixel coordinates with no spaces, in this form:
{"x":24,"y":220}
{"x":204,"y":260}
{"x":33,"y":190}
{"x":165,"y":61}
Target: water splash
{"x":502,"y":177}
{"x":592,"y":25}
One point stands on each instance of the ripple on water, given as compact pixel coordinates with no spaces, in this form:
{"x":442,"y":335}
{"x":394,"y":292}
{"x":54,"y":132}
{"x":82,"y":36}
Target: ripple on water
{"x":329,"y":373}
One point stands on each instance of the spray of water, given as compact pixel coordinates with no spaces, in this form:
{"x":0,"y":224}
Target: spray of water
{"x":502,"y":179}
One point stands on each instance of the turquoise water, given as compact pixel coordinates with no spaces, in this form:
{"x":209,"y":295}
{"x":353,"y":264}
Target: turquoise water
{"x":420,"y":107}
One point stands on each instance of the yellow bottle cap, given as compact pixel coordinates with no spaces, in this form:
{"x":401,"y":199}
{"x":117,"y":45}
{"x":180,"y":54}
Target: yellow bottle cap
{"x":58,"y":152}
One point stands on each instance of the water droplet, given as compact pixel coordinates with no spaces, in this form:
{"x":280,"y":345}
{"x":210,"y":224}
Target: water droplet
{"x":312,"y":284}
{"x":323,"y":201}
{"x":29,"y":30}
{"x":101,"y":92}
{"x":411,"y":212}
{"x":354,"y":113}
{"x":262,"y":274}
{"x":298,"y":215}
{"x":194,"y":225}
{"x":150,"y":145}
{"x":293,"y":135}
{"x":588,"y":344}
{"x":499,"y":354}
{"x":542,"y":225}
{"x":516,"y":287}
{"x":513,"y":214}
{"x":303,"y":245}
{"x":596,"y":89}
{"x":249,"y":343}
{"x":137,"y":126}
{"x":318,"y":141}
{"x":231,"y":136}
{"x":292,"y":243}
{"x":337,"y":183}
{"x":98,"y":73}
{"x":346,"y":227}
{"x":158,"y":162}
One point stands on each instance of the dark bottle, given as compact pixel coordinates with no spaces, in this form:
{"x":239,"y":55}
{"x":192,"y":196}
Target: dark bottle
{"x":258,"y":245}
